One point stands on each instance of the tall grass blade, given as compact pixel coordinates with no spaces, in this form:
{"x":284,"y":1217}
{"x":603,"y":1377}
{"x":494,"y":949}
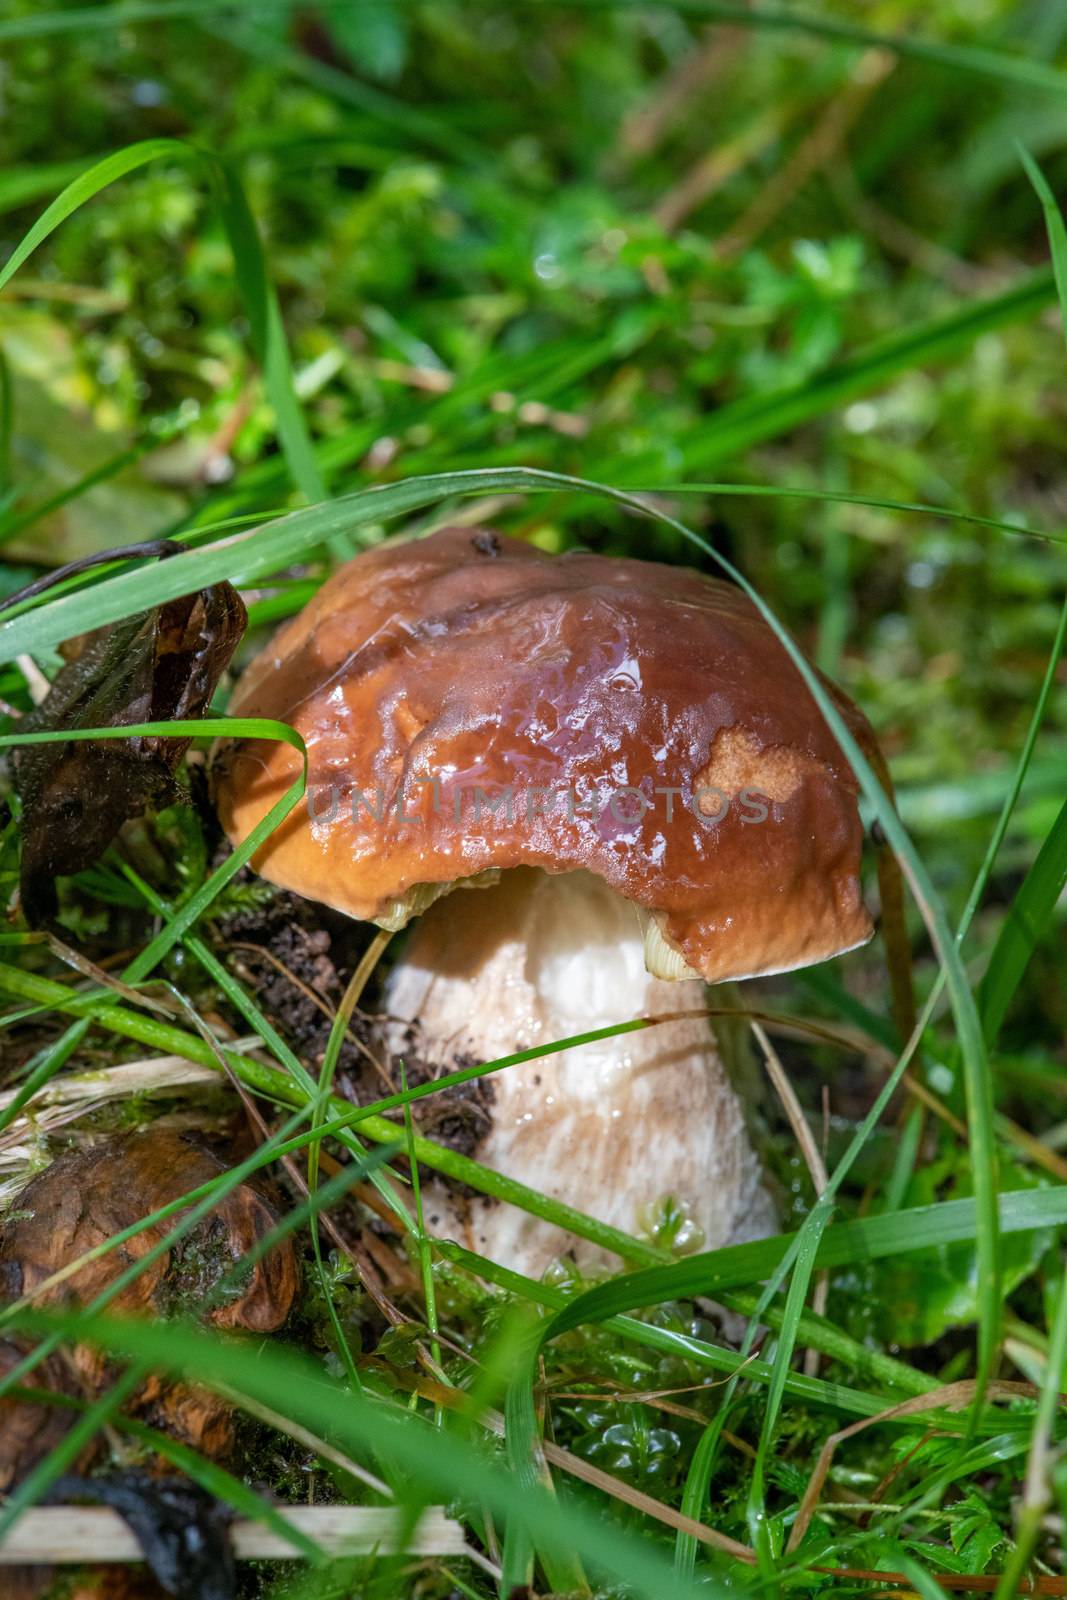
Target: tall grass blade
{"x":1031,"y":911}
{"x":1035,"y":902}
{"x":432,"y":1460}
{"x":258,"y":552}
{"x":1057,"y":231}
{"x":1011,"y":70}
{"x":756,"y":418}
{"x":257,"y":295}
{"x":1001,"y":66}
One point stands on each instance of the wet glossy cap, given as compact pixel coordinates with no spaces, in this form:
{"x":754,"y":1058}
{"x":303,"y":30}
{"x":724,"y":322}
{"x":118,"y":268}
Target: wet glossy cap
{"x":471,"y":704}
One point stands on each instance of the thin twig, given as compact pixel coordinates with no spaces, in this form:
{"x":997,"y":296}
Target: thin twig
{"x":74,"y":1535}
{"x":814,"y":154}
{"x":951,"y":1396}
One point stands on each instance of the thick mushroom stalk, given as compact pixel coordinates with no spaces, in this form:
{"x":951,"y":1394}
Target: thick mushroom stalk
{"x":623,"y":1128}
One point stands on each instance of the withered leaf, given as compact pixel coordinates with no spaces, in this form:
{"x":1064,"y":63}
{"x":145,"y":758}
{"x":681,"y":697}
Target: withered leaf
{"x":158,"y":666}
{"x":181,"y":1529}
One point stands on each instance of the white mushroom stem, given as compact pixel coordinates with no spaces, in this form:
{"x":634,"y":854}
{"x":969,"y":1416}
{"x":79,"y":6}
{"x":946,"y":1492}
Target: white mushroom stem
{"x":623,"y":1128}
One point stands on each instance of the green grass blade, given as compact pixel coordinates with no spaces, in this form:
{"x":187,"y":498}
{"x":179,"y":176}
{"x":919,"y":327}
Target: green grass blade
{"x":255,"y":553}
{"x":792,"y":1315}
{"x":84,"y":187}
{"x":6,"y":426}
{"x":42,"y":1068}
{"x":253,"y":283}
{"x":1031,"y":911}
{"x":81,"y":19}
{"x":774,"y":491}
{"x":1015,"y":788}
{"x":737,"y":427}
{"x":1011,"y":70}
{"x":268,"y":335}
{"x":1035,"y":902}
{"x":434,"y":1461}
{"x":1037,"y":1484}
{"x":845,"y":1244}
{"x":1057,"y":232}
{"x":281,"y":1088}
{"x":206,"y":727}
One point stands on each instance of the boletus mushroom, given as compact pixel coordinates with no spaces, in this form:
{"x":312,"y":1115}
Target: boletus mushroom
{"x":623,"y":760}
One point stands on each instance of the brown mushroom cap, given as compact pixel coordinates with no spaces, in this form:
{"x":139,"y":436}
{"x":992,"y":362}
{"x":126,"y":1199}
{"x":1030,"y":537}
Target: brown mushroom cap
{"x":476,"y":660}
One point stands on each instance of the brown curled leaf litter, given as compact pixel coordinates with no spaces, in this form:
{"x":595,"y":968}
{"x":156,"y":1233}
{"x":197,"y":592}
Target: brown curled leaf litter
{"x":85,"y":1198}
{"x":158,"y":666}
{"x":30,"y":1430}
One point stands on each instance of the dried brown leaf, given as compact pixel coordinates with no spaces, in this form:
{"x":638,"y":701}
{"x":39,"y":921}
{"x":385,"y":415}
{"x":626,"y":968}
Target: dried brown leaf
{"x":157,"y":666}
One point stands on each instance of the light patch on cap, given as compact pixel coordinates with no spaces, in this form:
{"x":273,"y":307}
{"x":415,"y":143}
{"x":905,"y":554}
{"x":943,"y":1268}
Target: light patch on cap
{"x":737,"y":761}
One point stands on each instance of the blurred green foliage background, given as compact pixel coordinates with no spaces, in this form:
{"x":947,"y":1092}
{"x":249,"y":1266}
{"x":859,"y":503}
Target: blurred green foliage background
{"x":583,"y":238}
{"x":643,"y":246}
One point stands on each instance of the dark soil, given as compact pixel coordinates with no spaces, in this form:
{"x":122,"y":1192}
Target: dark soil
{"x":286,"y":947}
